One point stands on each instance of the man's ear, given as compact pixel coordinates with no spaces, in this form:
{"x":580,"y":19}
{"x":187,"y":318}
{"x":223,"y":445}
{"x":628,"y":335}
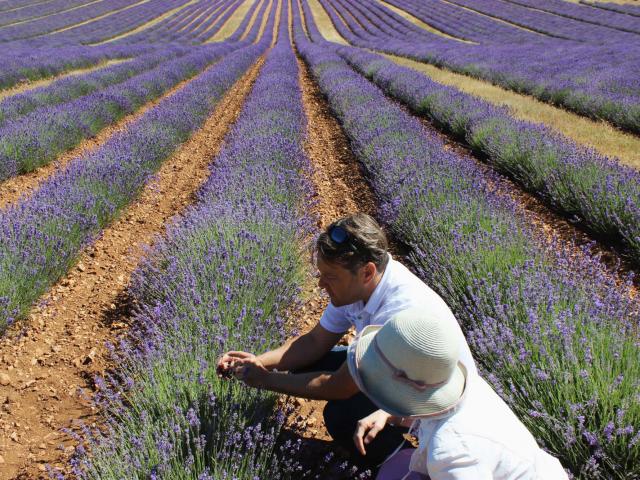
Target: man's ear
{"x":369,"y":271}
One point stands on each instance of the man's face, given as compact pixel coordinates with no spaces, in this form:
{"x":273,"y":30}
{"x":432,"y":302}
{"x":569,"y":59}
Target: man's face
{"x":342,"y":286}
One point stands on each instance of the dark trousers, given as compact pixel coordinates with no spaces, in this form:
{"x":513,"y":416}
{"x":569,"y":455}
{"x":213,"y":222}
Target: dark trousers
{"x":341,"y":416}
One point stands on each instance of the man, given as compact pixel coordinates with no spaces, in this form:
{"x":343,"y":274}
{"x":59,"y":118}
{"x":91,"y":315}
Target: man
{"x":366,"y":287}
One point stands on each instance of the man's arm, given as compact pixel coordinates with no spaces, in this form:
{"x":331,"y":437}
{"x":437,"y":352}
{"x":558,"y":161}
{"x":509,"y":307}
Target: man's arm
{"x":300,"y":351}
{"x":336,"y":385}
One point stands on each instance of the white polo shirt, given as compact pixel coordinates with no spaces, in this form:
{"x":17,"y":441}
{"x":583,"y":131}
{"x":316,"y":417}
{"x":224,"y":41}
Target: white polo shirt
{"x":398,"y":290}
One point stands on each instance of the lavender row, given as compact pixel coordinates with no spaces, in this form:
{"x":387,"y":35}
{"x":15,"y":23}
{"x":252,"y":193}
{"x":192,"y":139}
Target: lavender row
{"x":557,"y":339}
{"x":235,"y":36}
{"x":612,"y":94}
{"x":391,"y":25}
{"x":27,"y":63}
{"x":41,"y":236}
{"x":222,"y":278}
{"x":624,"y":23}
{"x":209,"y":28}
{"x":69,"y":88}
{"x":103,"y":29}
{"x":40,"y":10}
{"x":255,"y":28}
{"x":601,"y":194}
{"x":614,"y":7}
{"x":543,"y":22}
{"x":60,"y":20}
{"x":169,"y":29}
{"x":462,"y":23}
{"x":193,"y":28}
{"x":35,"y":139}
{"x":14,"y":4}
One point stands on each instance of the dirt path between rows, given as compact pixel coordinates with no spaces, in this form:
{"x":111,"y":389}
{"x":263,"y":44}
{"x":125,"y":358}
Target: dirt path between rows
{"x":24,"y":185}
{"x":340,"y":189}
{"x":51,"y":359}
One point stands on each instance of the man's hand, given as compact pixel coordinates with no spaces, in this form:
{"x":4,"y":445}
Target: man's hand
{"x":251,"y":371}
{"x":226,"y":363}
{"x":368,"y":428}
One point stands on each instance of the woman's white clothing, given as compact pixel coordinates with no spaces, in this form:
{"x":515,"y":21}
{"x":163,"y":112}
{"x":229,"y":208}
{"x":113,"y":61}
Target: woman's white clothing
{"x":481,"y":439}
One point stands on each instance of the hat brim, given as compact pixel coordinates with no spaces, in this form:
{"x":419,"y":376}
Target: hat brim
{"x":394,"y":396}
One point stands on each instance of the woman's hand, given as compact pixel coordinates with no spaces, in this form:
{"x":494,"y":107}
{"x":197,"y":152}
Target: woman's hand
{"x":368,"y":428}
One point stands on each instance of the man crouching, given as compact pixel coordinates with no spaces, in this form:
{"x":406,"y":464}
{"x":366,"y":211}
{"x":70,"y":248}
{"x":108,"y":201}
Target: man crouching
{"x":366,"y":287}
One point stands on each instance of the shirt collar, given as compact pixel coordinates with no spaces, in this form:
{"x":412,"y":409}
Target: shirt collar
{"x":378,"y":293}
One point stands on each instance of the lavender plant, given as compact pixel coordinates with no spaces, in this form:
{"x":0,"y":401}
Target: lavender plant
{"x":70,"y":88}
{"x":183,"y":25}
{"x":557,"y":339}
{"x":598,"y":85}
{"x":614,"y":7}
{"x":583,"y":13}
{"x":118,"y":22}
{"x":552,"y":25}
{"x":35,"y":139}
{"x":26,"y":63}
{"x":13,"y":4}
{"x":235,"y":36}
{"x":221,"y":278}
{"x":41,"y":236}
{"x":600,"y":193}
{"x":464,"y":24}
{"x":59,"y":20}
{"x":40,"y":9}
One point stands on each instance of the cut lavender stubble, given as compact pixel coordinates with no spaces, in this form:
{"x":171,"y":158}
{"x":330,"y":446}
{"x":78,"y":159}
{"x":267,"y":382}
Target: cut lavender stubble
{"x":222,"y":278}
{"x":556,"y":338}
{"x":40,"y":237}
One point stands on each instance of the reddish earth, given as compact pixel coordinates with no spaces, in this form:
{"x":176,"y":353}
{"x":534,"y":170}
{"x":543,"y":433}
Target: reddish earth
{"x":340,"y":189}
{"x":49,"y":361}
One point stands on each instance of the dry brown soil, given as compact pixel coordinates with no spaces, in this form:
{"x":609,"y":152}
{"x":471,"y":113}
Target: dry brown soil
{"x":50,"y":360}
{"x":341,"y":189}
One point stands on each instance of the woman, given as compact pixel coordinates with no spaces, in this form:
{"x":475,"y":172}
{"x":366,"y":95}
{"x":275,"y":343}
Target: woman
{"x":410,"y":368}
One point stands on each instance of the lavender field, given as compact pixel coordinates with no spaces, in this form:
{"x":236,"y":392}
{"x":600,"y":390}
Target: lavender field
{"x":161,"y":179}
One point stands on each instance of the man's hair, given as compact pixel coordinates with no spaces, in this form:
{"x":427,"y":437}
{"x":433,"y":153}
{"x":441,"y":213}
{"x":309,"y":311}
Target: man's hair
{"x":365,"y":242}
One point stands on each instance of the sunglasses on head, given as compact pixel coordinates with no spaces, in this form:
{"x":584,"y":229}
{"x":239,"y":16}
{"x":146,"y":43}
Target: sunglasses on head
{"x":340,"y":236}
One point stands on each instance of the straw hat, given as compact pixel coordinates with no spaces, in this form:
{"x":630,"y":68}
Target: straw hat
{"x":410,"y":365}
